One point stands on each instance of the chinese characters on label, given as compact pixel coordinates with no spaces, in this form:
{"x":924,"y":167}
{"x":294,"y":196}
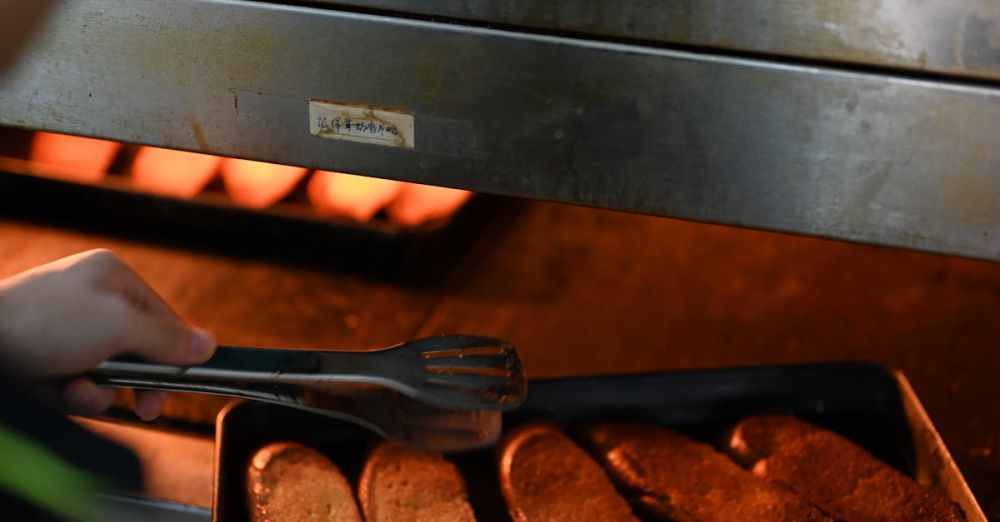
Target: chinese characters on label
{"x":356,"y":126}
{"x":361,"y":124}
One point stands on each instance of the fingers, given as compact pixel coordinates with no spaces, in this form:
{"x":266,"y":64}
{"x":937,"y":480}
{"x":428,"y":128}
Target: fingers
{"x":129,"y":284}
{"x":165,"y":340}
{"x":148,"y":404}
{"x":86,"y":397}
{"x":106,"y":271}
{"x":151,"y":327}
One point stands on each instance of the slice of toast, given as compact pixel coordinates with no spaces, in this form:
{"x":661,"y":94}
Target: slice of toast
{"x":834,"y":473}
{"x":545,"y":476}
{"x":289,"y":482}
{"x":401,"y":484}
{"x":678,"y":478}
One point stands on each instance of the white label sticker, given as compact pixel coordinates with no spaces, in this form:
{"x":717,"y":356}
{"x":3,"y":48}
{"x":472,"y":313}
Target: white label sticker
{"x":361,"y":123}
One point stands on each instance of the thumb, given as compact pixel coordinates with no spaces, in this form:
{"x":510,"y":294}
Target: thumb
{"x":166,"y":340}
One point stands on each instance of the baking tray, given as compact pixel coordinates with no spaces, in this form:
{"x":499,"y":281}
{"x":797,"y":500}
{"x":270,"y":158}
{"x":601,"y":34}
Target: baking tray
{"x":873,"y":406}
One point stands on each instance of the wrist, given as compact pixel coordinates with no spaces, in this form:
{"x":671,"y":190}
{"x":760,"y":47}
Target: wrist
{"x":5,"y":313}
{"x":8,"y":324}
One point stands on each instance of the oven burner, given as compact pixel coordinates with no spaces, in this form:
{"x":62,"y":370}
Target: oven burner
{"x":250,"y":184}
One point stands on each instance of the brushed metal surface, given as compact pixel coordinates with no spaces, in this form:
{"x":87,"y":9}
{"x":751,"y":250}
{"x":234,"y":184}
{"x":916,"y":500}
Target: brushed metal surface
{"x":948,"y":36}
{"x":126,"y":509}
{"x":820,"y":151}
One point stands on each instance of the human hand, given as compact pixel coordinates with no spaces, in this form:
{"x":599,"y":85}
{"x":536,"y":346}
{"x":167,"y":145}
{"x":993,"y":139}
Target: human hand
{"x":61,"y":319}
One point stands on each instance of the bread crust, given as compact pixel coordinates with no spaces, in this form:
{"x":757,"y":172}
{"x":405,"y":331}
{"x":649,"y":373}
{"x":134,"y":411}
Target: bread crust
{"x":678,"y":478}
{"x":545,"y":476}
{"x":401,"y":484}
{"x":834,"y":473}
{"x":289,"y":482}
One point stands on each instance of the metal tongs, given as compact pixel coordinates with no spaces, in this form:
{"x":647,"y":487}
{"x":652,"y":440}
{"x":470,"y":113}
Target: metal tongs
{"x":442,"y":393}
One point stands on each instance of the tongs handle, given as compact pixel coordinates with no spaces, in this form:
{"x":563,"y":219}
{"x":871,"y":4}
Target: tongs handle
{"x":259,"y":391}
{"x":229,"y":362}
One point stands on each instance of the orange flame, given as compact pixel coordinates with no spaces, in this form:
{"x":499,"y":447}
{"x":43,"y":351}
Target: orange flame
{"x":258,"y":185}
{"x":335,"y":194}
{"x":72,"y":158}
{"x":173,"y":172}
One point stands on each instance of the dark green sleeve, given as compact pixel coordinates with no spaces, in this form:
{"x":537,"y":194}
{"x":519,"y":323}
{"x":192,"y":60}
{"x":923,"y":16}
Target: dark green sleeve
{"x":51,"y":466}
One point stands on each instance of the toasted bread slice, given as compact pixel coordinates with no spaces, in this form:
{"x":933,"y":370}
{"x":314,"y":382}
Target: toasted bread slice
{"x":546,"y":476}
{"x":289,"y":482}
{"x":401,"y":484}
{"x":834,"y":473}
{"x":678,"y":478}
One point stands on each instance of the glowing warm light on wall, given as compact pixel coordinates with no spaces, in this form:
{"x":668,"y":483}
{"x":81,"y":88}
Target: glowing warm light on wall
{"x":251,"y":184}
{"x":256,"y":184}
{"x":172,"y":172}
{"x":72,"y":158}
{"x":356,"y":197}
{"x":419,"y":204}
